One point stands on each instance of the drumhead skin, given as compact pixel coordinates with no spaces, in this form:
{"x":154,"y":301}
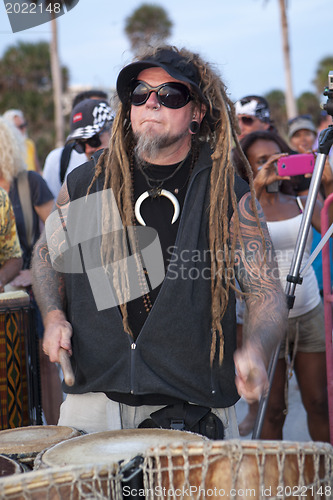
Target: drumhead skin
{"x":111,"y":446}
{"x":8,"y":467}
{"x":33,"y":439}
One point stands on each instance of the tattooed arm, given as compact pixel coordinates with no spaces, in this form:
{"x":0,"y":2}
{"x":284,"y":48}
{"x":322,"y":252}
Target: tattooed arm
{"x":48,"y":287}
{"x":258,"y":277}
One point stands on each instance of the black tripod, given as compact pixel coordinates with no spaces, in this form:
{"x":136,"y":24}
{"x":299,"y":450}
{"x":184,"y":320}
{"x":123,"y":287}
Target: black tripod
{"x":324,"y":145}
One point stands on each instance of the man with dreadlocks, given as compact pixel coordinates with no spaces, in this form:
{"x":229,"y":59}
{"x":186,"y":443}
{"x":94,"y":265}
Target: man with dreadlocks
{"x":163,"y":356}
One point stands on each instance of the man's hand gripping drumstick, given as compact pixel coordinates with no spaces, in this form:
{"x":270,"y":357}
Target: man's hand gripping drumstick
{"x":50,"y":296}
{"x":57,"y":343}
{"x":66,"y":367}
{"x":251,"y":375}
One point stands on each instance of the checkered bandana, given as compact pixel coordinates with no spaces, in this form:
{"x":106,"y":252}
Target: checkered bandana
{"x":88,"y":118}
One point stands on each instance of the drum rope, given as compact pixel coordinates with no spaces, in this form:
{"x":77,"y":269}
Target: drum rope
{"x":90,"y":482}
{"x":283,"y":466}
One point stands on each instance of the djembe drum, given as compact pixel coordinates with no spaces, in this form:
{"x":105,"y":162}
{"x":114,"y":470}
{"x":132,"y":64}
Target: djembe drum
{"x":20,"y":402}
{"x":88,"y":482}
{"x":239,"y":469}
{"x":23,"y":444}
{"x":123,"y":450}
{"x":110,"y":446}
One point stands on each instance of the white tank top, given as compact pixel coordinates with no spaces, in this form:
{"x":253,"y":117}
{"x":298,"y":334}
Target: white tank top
{"x":284,"y":235}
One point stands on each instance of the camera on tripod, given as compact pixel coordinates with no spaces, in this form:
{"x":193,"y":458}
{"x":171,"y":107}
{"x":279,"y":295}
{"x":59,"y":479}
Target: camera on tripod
{"x":329,"y":93}
{"x":330,"y":80}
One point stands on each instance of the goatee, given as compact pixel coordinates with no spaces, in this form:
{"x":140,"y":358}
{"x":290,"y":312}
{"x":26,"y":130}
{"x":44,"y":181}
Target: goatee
{"x":149,"y":147}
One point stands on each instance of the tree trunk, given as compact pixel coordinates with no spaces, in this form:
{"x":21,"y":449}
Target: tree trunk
{"x":57,"y":84}
{"x":290,"y":100}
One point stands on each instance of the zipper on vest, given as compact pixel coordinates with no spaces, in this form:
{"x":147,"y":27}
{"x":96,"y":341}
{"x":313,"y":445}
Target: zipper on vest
{"x":133,"y":347}
{"x":212,"y":382}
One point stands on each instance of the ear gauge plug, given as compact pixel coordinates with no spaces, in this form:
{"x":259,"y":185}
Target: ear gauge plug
{"x":194,"y":127}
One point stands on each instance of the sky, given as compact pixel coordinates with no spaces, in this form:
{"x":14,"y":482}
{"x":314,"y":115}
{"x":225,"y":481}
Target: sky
{"x":241,"y":38}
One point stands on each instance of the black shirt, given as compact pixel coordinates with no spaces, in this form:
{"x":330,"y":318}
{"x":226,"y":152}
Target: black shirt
{"x":158,"y":213}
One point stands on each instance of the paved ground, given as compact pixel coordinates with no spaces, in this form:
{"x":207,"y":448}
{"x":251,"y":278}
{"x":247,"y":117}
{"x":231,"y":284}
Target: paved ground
{"x":295,"y":427}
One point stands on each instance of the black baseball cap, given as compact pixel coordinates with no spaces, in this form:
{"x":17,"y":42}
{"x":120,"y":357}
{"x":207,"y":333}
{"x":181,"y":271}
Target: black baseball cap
{"x":88,"y":118}
{"x":171,"y":61}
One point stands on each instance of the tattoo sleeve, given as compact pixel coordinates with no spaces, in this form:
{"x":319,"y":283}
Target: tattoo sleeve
{"x":48,"y":284}
{"x":258,"y":277}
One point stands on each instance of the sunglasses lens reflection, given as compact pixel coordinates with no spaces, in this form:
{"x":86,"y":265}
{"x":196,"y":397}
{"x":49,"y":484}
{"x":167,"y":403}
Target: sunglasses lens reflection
{"x":171,"y":95}
{"x":247,"y":120}
{"x":93,"y":142}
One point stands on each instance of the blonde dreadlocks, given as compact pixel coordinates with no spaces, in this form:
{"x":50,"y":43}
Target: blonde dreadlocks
{"x":219,"y":127}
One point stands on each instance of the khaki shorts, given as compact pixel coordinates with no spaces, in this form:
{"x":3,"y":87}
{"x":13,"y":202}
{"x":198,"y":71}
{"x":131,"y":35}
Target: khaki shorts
{"x":95,"y":412}
{"x":311,"y":332}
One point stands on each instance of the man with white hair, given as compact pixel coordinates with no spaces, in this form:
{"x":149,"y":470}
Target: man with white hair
{"x":16,"y":117}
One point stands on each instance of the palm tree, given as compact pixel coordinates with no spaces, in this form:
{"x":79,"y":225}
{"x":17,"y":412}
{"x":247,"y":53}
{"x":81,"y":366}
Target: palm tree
{"x":148,"y":25}
{"x":291,"y":107}
{"x":277,"y":105}
{"x":51,"y":6}
{"x":57,"y":84}
{"x":290,"y":99}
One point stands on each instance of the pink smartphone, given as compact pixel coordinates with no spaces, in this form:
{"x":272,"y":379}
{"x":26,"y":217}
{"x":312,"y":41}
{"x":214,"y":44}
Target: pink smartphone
{"x":296,"y":164}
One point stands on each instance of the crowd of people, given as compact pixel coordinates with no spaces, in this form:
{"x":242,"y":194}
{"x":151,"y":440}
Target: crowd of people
{"x":158,"y":231}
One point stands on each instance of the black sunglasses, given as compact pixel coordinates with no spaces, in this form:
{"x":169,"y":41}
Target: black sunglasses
{"x":247,"y":120}
{"x":172,"y":95}
{"x":23,"y":125}
{"x":93,"y":142}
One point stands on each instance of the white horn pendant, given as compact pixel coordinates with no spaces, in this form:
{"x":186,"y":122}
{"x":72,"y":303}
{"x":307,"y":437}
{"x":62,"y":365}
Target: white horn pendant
{"x":146,"y":195}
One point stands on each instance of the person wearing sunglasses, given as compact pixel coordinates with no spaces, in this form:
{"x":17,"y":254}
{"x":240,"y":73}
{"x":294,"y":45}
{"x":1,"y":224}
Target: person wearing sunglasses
{"x":253,"y":114}
{"x":174,"y":226}
{"x":60,"y":161}
{"x":91,"y":122}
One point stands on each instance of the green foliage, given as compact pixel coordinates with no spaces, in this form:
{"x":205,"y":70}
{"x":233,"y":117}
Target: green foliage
{"x":321,"y":79}
{"x":277,"y":105}
{"x":148,"y":25}
{"x":26,"y":84}
{"x":308,"y":104}
{"x":26,"y":66}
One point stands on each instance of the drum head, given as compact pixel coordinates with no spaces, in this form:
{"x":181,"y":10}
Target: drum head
{"x":8,"y":467}
{"x":112,"y":446}
{"x":33,"y":439}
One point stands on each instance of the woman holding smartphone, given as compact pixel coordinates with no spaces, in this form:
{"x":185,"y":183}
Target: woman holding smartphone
{"x":304,"y":347}
{"x":302,"y":135}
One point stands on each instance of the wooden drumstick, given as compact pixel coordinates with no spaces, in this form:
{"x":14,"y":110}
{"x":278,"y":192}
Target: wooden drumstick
{"x":66,"y":367}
